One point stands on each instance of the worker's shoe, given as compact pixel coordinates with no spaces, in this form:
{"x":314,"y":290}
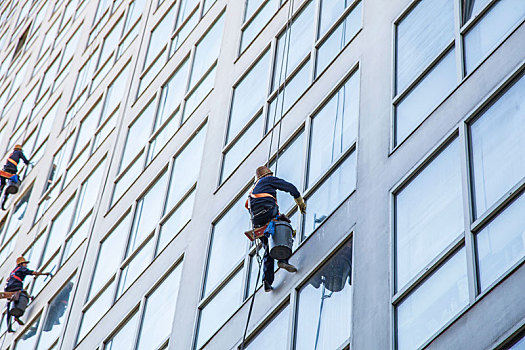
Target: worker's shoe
{"x":10,"y":330}
{"x":288,"y":267}
{"x":19,"y":321}
{"x":267,"y":286}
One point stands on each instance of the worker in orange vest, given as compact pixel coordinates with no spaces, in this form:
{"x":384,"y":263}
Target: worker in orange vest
{"x":262,"y":205}
{"x":11,"y":165}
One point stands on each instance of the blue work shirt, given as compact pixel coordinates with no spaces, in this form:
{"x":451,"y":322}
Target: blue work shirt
{"x":16,"y":278}
{"x":270,"y":185}
{"x":16,"y":156}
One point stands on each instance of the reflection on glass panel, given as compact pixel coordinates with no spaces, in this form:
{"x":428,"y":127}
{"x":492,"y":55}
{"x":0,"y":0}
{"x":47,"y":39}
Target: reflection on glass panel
{"x":274,"y":335}
{"x":498,"y":148}
{"x":197,"y":96}
{"x":177,"y":220}
{"x":290,"y":168}
{"x":472,"y":7}
{"x":421,"y":36}
{"x":248,"y":96}
{"x":324,"y":310}
{"x":135,"y":267}
{"x":294,"y":88}
{"x":330,"y":194}
{"x":88,"y":126}
{"x":429,"y":214}
{"x":151,"y":73}
{"x":148,"y":213}
{"x":89,"y":193}
{"x":242,"y":147}
{"x":74,"y":241}
{"x":124,"y":338}
{"x":186,"y":8}
{"x":17,"y":217}
{"x":161,"y":139}
{"x":300,"y":43}
{"x":425,"y":96}
{"x":186,"y":168}
{"x":104,"y":131}
{"x":41,"y":281}
{"x":138,"y":134}
{"x":258,"y":22}
{"x":250,"y":7}
{"x":95,"y":311}
{"x":433,"y":303}
{"x":494,"y":25}
{"x":336,"y":123}
{"x":207,"y":51}
{"x":226,"y":249}
{"x":501,"y":244}
{"x":55,"y":316}
{"x":172,"y":94}
{"x":223,"y":304}
{"x":338,"y":39}
{"x":109,"y":255}
{"x":156,"y":326}
{"x":329,"y":13}
{"x":254,"y":271}
{"x":116,"y":91}
{"x":28,"y":340}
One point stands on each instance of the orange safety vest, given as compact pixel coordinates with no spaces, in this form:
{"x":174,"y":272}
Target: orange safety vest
{"x":257,"y":195}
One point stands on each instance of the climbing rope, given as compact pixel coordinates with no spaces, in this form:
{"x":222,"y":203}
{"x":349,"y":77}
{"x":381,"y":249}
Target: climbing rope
{"x":323,"y":297}
{"x":286,"y":52}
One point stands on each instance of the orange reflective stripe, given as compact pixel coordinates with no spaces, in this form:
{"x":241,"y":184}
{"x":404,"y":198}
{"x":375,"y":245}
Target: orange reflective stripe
{"x":262,"y":195}
{"x":12,"y":161}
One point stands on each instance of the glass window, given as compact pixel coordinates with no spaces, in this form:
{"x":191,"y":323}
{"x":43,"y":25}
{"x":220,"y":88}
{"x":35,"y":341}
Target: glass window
{"x":421,"y":36}
{"x":109,"y":255}
{"x":95,"y":311}
{"x":336,"y":121}
{"x":290,"y":168}
{"x":156,"y":326}
{"x":494,"y":25}
{"x":200,"y":92}
{"x":172,"y":94}
{"x":226,"y":249}
{"x":186,"y":167}
{"x":498,"y":148}
{"x":17,"y":216}
{"x":135,"y":266}
{"x":429,"y":214}
{"x":332,"y":192}
{"x":433,"y":303}
{"x":76,"y":238}
{"x":177,"y":220}
{"x":163,"y":136}
{"x":55,"y":316}
{"x":147,"y":213}
{"x":89,"y":193}
{"x":425,"y":96}
{"x":183,"y":32}
{"x":338,"y":38}
{"x":275,"y":334}
{"x":129,"y":177}
{"x":59,"y":228}
{"x":324,"y":311}
{"x":116,"y":92}
{"x":138,"y":133}
{"x":254,"y":27}
{"x":501,"y":244}
{"x":160,"y":36}
{"x":242,"y":147}
{"x":472,"y":7}
{"x":207,"y":51}
{"x":223,"y":304}
{"x":124,"y":338}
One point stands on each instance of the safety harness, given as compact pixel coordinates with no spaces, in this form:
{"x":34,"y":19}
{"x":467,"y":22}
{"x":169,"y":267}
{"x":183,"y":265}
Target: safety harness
{"x":12,"y":161}
{"x":13,"y":275}
{"x":256,"y":232}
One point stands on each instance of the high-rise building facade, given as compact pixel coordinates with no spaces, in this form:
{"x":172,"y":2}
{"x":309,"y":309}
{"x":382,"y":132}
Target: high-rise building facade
{"x":399,"y":121}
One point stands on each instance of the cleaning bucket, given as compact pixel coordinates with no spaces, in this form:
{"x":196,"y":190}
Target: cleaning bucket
{"x":281,"y":241}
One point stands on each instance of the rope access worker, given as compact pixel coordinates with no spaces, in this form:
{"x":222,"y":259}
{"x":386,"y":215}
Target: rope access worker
{"x":15,"y":283}
{"x":11,"y":165}
{"x":262,"y":204}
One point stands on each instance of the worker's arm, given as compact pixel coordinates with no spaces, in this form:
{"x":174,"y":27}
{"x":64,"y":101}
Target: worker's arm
{"x":290,"y":188}
{"x":23,"y":157}
{"x":36,"y":273}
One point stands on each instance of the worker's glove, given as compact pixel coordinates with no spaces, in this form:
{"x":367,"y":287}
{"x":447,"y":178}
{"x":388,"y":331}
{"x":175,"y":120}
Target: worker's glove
{"x":301,"y":204}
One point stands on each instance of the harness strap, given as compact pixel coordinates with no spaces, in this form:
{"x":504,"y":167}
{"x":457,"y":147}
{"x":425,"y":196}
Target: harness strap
{"x":10,"y":160}
{"x":257,"y":195}
{"x":12,"y":274}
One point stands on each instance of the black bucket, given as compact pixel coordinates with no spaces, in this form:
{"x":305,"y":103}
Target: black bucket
{"x":12,"y":187}
{"x":19,"y":307}
{"x":336,"y":273}
{"x":281,"y":241}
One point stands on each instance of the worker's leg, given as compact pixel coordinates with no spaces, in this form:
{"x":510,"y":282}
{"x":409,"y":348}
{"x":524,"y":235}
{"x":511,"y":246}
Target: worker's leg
{"x":268,"y":264}
{"x":2,"y":184}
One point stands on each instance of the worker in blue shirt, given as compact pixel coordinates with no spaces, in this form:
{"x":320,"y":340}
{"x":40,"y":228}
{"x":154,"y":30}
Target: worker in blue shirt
{"x":15,"y":283}
{"x":11,"y":165}
{"x":262,"y":204}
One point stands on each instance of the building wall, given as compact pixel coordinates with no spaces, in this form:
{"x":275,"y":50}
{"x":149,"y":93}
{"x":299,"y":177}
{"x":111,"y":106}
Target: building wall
{"x":144,"y":151}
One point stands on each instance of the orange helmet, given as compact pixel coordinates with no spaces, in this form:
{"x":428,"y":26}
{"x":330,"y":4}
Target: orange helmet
{"x":263,"y":171}
{"x":21,"y":260}
{"x":18,"y":147}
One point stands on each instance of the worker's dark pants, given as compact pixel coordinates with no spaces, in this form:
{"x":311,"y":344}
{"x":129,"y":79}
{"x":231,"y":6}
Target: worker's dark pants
{"x":3,"y":180}
{"x":268,"y":261}
{"x":11,"y":288}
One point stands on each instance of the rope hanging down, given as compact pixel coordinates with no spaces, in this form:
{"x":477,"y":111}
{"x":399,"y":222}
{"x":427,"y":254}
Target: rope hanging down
{"x":286,"y":51}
